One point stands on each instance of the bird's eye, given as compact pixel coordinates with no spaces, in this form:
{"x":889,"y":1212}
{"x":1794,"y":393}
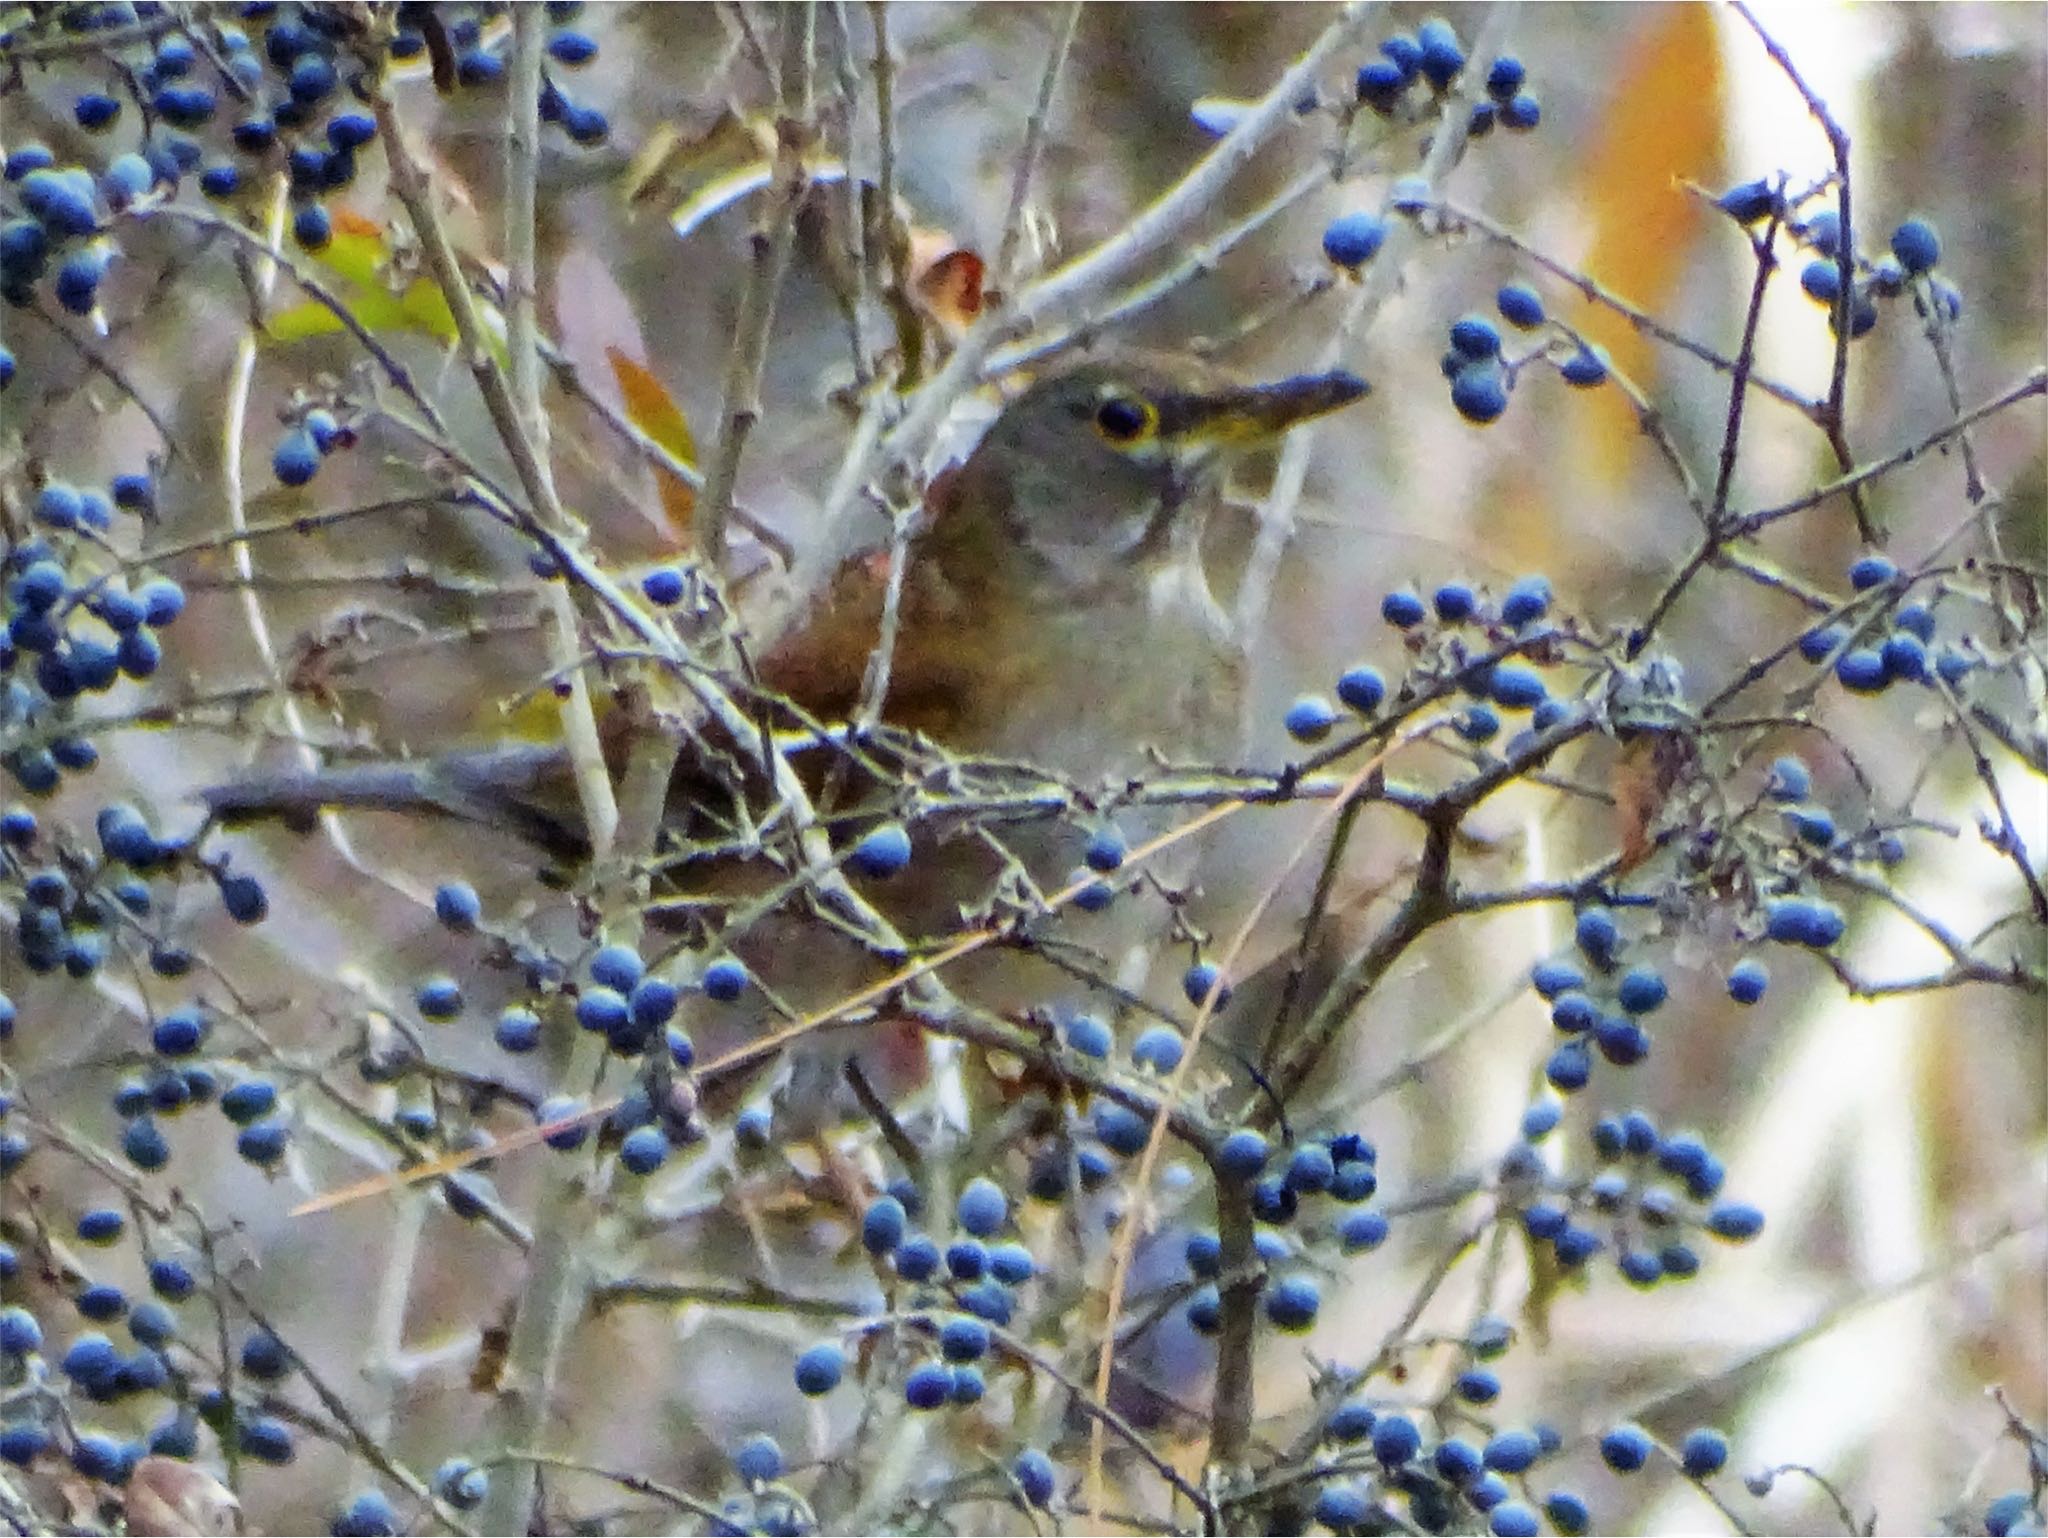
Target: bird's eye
{"x":1122,"y":419}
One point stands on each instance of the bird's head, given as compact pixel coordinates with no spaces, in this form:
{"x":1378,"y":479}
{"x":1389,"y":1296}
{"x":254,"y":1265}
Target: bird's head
{"x":1088,"y":470}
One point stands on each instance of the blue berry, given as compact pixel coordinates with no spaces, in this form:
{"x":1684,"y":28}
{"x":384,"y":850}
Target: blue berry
{"x":1122,"y":1130}
{"x":758,"y":1459}
{"x":1520,"y":114}
{"x":369,"y":1515}
{"x":517,"y":1030}
{"x":724,"y":980}
{"x":1036,"y":1477}
{"x":1735,"y":1221}
{"x":882,"y":1225}
{"x":1526,"y":602}
{"x":1011,"y":1264}
{"x":1552,"y":978}
{"x":882,"y":852}
{"x":1395,"y":1440}
{"x":1625,"y":1449}
{"x":1341,"y":1505}
{"x":1475,"y":337}
{"x":664,"y":585}
{"x":1310,"y":1169}
{"x":982,"y":1208}
{"x":1916,"y":246}
{"x":1353,"y":239}
{"x":1361,"y":689}
{"x":461,"y":1484}
{"x":1454,"y":602}
{"x":144,"y":1144}
{"x":1089,"y":1036}
{"x":1704,"y":1451}
{"x":1442,"y":55}
{"x":1351,"y":1421}
{"x":1402,"y":609}
{"x":1480,"y":392}
{"x":1871,"y":571}
{"x":1481,"y":1385}
{"x":1241,"y":1155}
{"x":20,"y":1334}
{"x":1380,"y":85}
{"x":265,"y":1358}
{"x":1505,"y":77}
{"x":1642,"y":990}
{"x":1569,"y":1068}
{"x":2012,"y":1513}
{"x":917,"y":1257}
{"x":1584,"y":369}
{"x":1202,"y":981}
{"x":572,"y":48}
{"x":928,"y":1386}
{"x":586,"y":125}
{"x":1597,"y":935}
{"x":457,"y":906}
{"x":1512,"y":1519}
{"x":95,"y":111}
{"x":1517,"y":686}
{"x":1310,"y":718}
{"x":1904,"y":656}
{"x":263,"y":1143}
{"x":296,"y":459}
{"x":1747,"y":980}
{"x":1158,"y":1048}
{"x":963,"y":1339}
{"x":1803,"y":921}
{"x":180,"y":1032}
{"x":617,"y":967}
{"x":312,"y":228}
{"x":1821,"y":278}
{"x":438,"y":998}
{"x":644,"y":1150}
{"x":1361,"y":1232}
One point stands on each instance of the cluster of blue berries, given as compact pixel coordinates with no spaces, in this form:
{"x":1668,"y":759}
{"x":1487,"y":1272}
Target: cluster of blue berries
{"x":1482,"y":373}
{"x":1441,"y":631}
{"x":222,"y":95}
{"x":1908,"y":267}
{"x":1655,"y":1195}
{"x":974,"y":1282}
{"x":1435,"y":57}
{"x":1894,"y":640}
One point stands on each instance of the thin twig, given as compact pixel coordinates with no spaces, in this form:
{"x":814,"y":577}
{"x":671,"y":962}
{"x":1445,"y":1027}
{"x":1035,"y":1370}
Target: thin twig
{"x":1034,"y":144}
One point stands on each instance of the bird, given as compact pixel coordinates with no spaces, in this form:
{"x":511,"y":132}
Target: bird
{"x":1055,"y":613}
{"x":1055,"y":610}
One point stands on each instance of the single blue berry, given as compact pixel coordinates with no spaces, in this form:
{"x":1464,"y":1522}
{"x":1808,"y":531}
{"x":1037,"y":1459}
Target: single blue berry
{"x":1310,"y":718}
{"x":1353,"y":239}
{"x":1735,"y":1221}
{"x":1241,"y":1154}
{"x":457,"y":906}
{"x":1158,"y":1048}
{"x":963,"y":1339}
{"x":1747,"y":980}
{"x":1361,"y":689}
{"x":644,"y":1150}
{"x":1089,"y":1036}
{"x":1361,"y":1232}
{"x":882,"y":1225}
{"x":1916,"y":246}
{"x":296,"y":459}
{"x":1475,"y":337}
{"x":882,"y":852}
{"x":1625,"y":1449}
{"x":1480,"y":392}
{"x":1402,"y":609}
{"x":1704,"y":1451}
{"x":1442,"y":55}
{"x":1342,"y":1505}
{"x":928,"y":1386}
{"x":1203,"y":984}
{"x":982,"y":1208}
{"x":438,"y":998}
{"x":1395,"y":1439}
{"x":664,"y":585}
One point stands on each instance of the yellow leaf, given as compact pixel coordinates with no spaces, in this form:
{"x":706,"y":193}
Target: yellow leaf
{"x":1663,"y":126}
{"x":654,"y":411}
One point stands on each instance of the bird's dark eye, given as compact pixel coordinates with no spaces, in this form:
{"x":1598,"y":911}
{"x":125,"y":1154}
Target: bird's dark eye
{"x":1122,"y":419}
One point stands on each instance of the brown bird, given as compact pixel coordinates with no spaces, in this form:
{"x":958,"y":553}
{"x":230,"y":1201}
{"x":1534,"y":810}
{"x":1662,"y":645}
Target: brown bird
{"x":1056,"y":609}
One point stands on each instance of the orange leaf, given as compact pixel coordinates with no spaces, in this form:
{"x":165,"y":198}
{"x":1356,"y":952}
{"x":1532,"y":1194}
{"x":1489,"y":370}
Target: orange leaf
{"x":654,"y":411}
{"x":1662,"y":126}
{"x":950,"y":290}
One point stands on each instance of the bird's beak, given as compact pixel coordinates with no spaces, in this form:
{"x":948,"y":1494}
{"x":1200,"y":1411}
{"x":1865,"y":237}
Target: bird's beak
{"x":1250,"y":417}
